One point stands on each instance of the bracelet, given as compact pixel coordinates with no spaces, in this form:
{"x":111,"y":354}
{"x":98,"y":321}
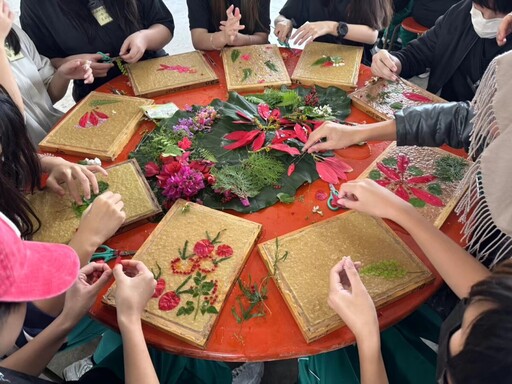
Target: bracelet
{"x":211,"y":43}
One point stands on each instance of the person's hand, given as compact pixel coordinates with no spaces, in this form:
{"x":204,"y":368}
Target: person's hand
{"x":6,"y":20}
{"x":310,"y":31}
{"x":99,"y":69}
{"x":386,"y":66}
{"x":66,"y":176}
{"x":231,"y":26}
{"x":369,"y":197}
{"x":336,"y":136}
{"x":101,"y":219}
{"x":283,"y":30}
{"x":135,"y":285}
{"x":77,"y":70}
{"x":133,"y":47}
{"x":504,"y":30}
{"x":349,"y":298}
{"x":82,"y":295}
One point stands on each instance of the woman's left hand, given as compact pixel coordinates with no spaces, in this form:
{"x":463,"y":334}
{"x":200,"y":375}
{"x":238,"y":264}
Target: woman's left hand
{"x":66,"y":176}
{"x":77,"y":70}
{"x":310,"y":31}
{"x":133,"y":47}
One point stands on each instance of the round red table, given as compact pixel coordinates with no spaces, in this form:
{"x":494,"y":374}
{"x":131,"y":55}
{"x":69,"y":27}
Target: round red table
{"x":276,"y":336}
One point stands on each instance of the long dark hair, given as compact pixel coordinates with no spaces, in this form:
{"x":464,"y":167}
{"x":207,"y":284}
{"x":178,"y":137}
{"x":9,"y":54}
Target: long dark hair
{"x":486,"y":356}
{"x":501,"y":6}
{"x":375,"y":14}
{"x":124,"y":12}
{"x":249,"y":10}
{"x":13,"y":41}
{"x":6,"y":308}
{"x":20,"y":169}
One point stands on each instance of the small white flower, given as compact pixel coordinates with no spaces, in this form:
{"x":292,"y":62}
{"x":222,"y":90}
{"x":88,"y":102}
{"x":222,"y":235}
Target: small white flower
{"x":94,"y":161}
{"x":317,"y":210}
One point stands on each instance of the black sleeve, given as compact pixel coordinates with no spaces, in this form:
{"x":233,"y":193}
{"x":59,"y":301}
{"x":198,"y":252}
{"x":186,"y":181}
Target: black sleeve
{"x":199,"y":14}
{"x":39,"y":33}
{"x":264,"y":16}
{"x":419,"y":54}
{"x":156,"y":12}
{"x":296,"y":11}
{"x":434,"y":125}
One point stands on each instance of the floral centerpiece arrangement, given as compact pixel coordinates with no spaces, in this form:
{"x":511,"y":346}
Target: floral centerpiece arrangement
{"x":243,"y":153}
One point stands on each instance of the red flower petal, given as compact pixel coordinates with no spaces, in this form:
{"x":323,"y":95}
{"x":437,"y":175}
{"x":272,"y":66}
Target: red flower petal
{"x":328,"y":64}
{"x":402,"y":163}
{"x":101,"y":115}
{"x":338,"y":165}
{"x":224,"y":250}
{"x":276,"y":113}
{"x":291,"y":169}
{"x":427,"y":197}
{"x":168,"y":301}
{"x":246,"y":139}
{"x":264,"y":111}
{"x":84,"y":120}
{"x":203,"y":248}
{"x":402,"y":193}
{"x":93,"y":119}
{"x":416,"y":97}
{"x":283,"y":135}
{"x":258,"y":143}
{"x":326,"y":173}
{"x":160,"y":288}
{"x":243,"y":115}
{"x":301,"y":133}
{"x":421,"y":179}
{"x":388,"y":172}
{"x":321,"y":195}
{"x":151,"y":169}
{"x":236,"y":135}
{"x":185,"y":144}
{"x":285,"y":148}
{"x":383,"y":183}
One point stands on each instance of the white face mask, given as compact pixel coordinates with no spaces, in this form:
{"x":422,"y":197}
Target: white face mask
{"x":486,"y":29}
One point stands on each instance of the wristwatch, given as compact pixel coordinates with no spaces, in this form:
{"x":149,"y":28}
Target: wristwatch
{"x":342,"y":30}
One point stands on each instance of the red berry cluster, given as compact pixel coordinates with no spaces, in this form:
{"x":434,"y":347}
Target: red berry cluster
{"x":311,"y":99}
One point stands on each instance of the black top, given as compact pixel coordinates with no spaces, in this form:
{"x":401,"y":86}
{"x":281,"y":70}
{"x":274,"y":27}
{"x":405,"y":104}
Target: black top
{"x":301,"y":11}
{"x":200,"y":16}
{"x":458,"y":72}
{"x":426,"y":12}
{"x":55,"y":35}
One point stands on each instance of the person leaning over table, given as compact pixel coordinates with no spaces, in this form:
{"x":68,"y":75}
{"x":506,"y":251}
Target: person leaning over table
{"x":475,"y":339}
{"x":457,"y":50}
{"x":349,"y":22}
{"x":215,"y":24}
{"x":65,"y":30}
{"x":31,"y":271}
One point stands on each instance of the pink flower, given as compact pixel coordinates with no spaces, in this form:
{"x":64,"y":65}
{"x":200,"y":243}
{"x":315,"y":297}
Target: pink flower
{"x":185,"y":144}
{"x":151,"y":169}
{"x":203,"y":248}
{"x":246,"y":57}
{"x":224,"y":250}
{"x":185,"y":183}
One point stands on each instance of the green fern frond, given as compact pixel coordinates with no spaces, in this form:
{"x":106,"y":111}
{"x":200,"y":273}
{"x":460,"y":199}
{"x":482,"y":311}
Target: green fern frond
{"x":203,"y":153}
{"x":263,"y":169}
{"x":235,"y":179}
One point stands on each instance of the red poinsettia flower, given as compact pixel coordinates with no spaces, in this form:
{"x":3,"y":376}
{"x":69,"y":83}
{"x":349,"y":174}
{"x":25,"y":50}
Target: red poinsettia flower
{"x":203,"y":248}
{"x":416,"y":97}
{"x":302,"y":132}
{"x":332,"y":169}
{"x":224,"y":250}
{"x":405,"y":186}
{"x":168,"y":301}
{"x":151,"y":169}
{"x":92,"y":118}
{"x":282,"y":135}
{"x":185,"y":144}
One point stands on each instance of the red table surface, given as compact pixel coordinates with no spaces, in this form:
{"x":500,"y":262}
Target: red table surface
{"x":276,"y":336}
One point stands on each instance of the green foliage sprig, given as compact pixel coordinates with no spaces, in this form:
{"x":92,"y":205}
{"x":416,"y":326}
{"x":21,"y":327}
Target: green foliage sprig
{"x":80,"y":209}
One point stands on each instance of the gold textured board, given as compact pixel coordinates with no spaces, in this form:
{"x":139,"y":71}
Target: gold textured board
{"x":378,"y":95}
{"x":303,"y":278}
{"x":421,"y":163}
{"x":59,"y":222}
{"x":169,"y":74}
{"x":193,"y":249}
{"x":344,"y":75}
{"x":254,"y":67}
{"x":99,"y":126}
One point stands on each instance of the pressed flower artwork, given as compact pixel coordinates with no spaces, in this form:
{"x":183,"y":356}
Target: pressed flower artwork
{"x":427,"y":178}
{"x":196,"y":254}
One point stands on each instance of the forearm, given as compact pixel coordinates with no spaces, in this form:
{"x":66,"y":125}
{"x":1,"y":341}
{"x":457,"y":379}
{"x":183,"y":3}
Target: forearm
{"x":84,"y":245}
{"x":58,"y":87}
{"x":156,"y":37}
{"x":257,"y":38}
{"x":35,"y":356}
{"x":204,"y":41}
{"x":372,"y":366}
{"x":138,"y":367}
{"x":381,"y":131}
{"x":361,"y":34}
{"x":459,"y":269}
{"x":8,"y":81}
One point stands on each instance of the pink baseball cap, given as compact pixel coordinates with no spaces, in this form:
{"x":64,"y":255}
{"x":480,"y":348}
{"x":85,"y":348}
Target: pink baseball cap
{"x":31,"y":270}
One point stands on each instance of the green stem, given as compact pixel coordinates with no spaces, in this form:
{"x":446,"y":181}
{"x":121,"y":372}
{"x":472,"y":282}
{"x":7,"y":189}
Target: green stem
{"x":197,"y":306}
{"x":183,"y":284}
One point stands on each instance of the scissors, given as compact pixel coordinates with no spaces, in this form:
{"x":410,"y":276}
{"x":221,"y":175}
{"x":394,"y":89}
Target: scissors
{"x":106,"y":253}
{"x":332,"y":202}
{"x":107,"y":59}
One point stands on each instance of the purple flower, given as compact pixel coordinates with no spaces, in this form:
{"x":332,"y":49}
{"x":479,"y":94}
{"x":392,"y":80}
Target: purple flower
{"x":185,"y":125}
{"x":185,"y":183}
